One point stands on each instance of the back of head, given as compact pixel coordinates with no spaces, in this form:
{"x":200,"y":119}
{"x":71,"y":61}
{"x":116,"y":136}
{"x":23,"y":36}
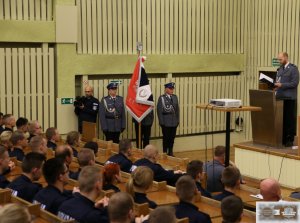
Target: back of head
{"x":35,"y":143}
{"x":231,"y":177}
{"x":32,"y":125}
{"x":16,"y":137}
{"x":7,"y":119}
{"x":88,"y":177}
{"x":86,"y":157}
{"x":32,"y":160}
{"x":270,"y":190}
{"x":186,"y":188}
{"x":219,"y":151}
{"x":92,"y":145}
{"x":124,"y":145}
{"x":50,"y":132}
{"x":141,"y":178}
{"x":109,"y":172}
{"x":21,"y":122}
{"x":194,"y":168}
{"x":62,"y":152}
{"x":150,"y":151}
{"x":12,"y":213}
{"x":232,"y":209}
{"x":5,"y":137}
{"x":72,"y":138}
{"x":120,"y":207}
{"x":52,"y":169}
{"x":163,"y":214}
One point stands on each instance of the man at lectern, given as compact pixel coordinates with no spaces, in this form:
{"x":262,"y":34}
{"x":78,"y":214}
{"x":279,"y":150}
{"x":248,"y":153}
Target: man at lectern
{"x":287,"y":80}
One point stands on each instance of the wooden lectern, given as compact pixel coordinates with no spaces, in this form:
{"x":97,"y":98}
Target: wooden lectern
{"x":267,"y":124}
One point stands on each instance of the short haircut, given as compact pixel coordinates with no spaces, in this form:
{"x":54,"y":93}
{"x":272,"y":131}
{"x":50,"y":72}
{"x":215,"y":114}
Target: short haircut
{"x":32,"y":160}
{"x":194,"y":168}
{"x":62,"y":155}
{"x":185,"y":188}
{"x":5,"y":136}
{"x":52,"y":169}
{"x":232,"y":209}
{"x":230,"y":176}
{"x":16,"y":137}
{"x":85,"y":156}
{"x":72,"y":137}
{"x":124,"y":145}
{"x":32,"y":126}
{"x":163,"y":214}
{"x":92,"y":145}
{"x":11,"y":213}
{"x":35,"y":143}
{"x":21,"y":122}
{"x":50,"y":132}
{"x":110,"y":170}
{"x":6,"y":118}
{"x":88,"y":177}
{"x":119,"y":206}
{"x":219,"y":151}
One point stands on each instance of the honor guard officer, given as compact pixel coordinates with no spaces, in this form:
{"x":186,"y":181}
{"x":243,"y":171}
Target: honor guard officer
{"x":287,"y":80}
{"x":112,"y":114}
{"x":168,"y":115}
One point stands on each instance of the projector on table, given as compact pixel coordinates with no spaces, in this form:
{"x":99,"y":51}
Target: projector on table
{"x":226,"y":103}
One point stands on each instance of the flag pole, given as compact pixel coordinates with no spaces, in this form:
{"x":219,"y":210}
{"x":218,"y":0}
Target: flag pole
{"x":139,"y":47}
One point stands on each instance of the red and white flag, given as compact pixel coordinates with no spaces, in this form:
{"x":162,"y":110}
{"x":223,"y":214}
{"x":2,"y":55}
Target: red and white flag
{"x":139,"y":101}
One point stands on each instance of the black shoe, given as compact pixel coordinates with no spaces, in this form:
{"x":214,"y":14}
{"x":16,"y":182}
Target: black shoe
{"x":171,"y":154}
{"x":289,"y":144}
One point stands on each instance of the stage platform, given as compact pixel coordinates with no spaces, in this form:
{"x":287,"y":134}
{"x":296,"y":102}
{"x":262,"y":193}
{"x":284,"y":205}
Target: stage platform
{"x":259,"y":161}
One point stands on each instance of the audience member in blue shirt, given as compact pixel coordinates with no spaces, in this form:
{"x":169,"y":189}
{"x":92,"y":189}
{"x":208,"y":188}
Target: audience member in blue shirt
{"x":53,"y":137}
{"x":86,"y":157}
{"x":73,"y":140}
{"x":65,"y":153}
{"x":19,"y":143}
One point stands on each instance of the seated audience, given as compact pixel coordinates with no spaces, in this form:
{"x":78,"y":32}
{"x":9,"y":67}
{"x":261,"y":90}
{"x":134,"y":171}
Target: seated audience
{"x":195,"y":170}
{"x":22,"y":125}
{"x":150,"y":159}
{"x":34,"y":129}
{"x":120,"y":208}
{"x":123,"y":157}
{"x":111,"y":176}
{"x":232,"y":209}
{"x":82,"y":208}
{"x":5,"y":139}
{"x":270,"y":190}
{"x":214,"y":170}
{"x":231,"y":181}
{"x":93,"y":146}
{"x":1,"y":122}
{"x":65,"y":153}
{"x":56,"y":175}
{"x":86,"y":157}
{"x":9,"y":122}
{"x":52,"y":136}
{"x":4,"y":166}
{"x":14,"y":213}
{"x":19,"y":143}
{"x":73,"y":140}
{"x":163,"y":214}
{"x":140,"y":181}
{"x":24,"y":186}
{"x":186,"y":191}
{"x":38,"y":144}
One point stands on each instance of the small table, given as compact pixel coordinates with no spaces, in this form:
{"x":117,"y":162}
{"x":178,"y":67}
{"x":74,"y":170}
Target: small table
{"x":228,"y":116}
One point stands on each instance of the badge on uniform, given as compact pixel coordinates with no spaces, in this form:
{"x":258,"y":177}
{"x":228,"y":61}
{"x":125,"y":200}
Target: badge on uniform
{"x":95,"y":106}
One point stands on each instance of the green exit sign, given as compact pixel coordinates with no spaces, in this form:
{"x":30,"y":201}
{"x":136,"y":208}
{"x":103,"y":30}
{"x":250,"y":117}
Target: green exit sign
{"x":67,"y":101}
{"x":275,"y":62}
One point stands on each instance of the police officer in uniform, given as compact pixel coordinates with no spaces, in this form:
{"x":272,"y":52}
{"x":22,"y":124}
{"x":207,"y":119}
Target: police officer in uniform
{"x":168,"y":115}
{"x":287,"y":80}
{"x":88,"y":110}
{"x":112,"y":114}
{"x":145,"y":130}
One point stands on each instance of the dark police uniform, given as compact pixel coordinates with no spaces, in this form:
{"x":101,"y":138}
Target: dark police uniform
{"x":221,"y":196}
{"x":112,"y":116}
{"x":16,"y":152}
{"x":82,"y":210}
{"x":190,"y":211}
{"x":89,"y":112}
{"x":141,"y":198}
{"x":51,"y":145}
{"x":111,"y":187}
{"x":145,"y":130}
{"x":288,"y":76}
{"x":204,"y":192}
{"x":124,"y":163}
{"x":24,"y":188}
{"x":3,"y":181}
{"x":50,"y":198}
{"x":160,"y":174}
{"x":168,"y":115}
{"x":75,"y":175}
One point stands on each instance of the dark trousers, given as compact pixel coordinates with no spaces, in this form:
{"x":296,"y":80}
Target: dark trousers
{"x":145,"y":134}
{"x":114,"y":136}
{"x":289,"y":121}
{"x":169,"y":134}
